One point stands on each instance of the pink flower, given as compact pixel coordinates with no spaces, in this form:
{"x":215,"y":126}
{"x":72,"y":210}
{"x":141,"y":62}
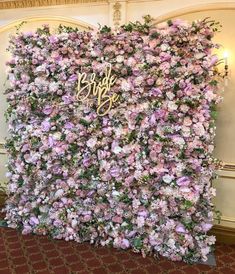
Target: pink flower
{"x":117,"y":219}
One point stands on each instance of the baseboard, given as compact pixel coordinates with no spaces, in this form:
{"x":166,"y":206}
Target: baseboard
{"x":224,"y":234}
{"x":2,"y":199}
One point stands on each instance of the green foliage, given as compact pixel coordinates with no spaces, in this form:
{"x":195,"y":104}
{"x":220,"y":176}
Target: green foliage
{"x":138,"y":26}
{"x":73,"y":147}
{"x":55,"y":118}
{"x":125,"y":199}
{"x":132,"y":136}
{"x":88,"y":173}
{"x":18,"y":27}
{"x":33,"y":103}
{"x":187,"y":204}
{"x":66,"y":29}
{"x":36,"y":211}
{"x":118,"y":185}
{"x":139,"y":117}
{"x":84,"y":122}
{"x":105,"y":29}
{"x":138,"y":243}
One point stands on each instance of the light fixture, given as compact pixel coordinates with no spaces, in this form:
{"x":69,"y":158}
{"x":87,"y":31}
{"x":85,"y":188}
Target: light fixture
{"x":225,"y":58}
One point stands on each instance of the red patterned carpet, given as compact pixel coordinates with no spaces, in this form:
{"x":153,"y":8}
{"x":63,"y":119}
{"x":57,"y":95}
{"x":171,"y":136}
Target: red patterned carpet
{"x":31,"y":254}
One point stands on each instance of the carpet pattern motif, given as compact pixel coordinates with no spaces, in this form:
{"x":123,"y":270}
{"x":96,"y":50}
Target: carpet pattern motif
{"x":30,"y":254}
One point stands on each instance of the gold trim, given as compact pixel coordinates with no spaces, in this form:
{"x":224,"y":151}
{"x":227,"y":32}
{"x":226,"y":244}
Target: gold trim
{"x":228,"y":167}
{"x":46,"y":18}
{"x":20,"y":4}
{"x":194,"y":9}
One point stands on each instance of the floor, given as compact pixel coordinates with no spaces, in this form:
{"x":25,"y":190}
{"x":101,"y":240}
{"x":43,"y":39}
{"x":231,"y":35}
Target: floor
{"x":31,"y":254}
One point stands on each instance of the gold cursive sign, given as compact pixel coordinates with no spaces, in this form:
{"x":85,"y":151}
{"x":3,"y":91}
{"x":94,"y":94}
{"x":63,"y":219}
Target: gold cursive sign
{"x":100,"y":89}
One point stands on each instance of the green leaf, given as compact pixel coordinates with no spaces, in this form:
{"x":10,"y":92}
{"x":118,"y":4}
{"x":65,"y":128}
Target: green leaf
{"x":84,"y":122}
{"x":105,"y":29}
{"x":3,"y":223}
{"x":138,"y":243}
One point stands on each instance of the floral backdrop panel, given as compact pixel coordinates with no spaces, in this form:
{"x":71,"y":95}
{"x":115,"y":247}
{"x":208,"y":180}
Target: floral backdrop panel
{"x":111,"y":136}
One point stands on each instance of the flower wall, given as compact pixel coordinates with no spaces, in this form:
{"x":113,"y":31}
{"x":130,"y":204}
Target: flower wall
{"x":138,"y":177}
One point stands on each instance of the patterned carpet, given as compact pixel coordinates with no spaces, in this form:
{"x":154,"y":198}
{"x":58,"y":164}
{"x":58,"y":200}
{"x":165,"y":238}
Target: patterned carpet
{"x":31,"y":254}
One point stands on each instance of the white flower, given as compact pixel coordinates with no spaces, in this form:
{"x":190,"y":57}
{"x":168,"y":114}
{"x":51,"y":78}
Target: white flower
{"x":164,"y":47}
{"x":91,"y":142}
{"x":138,"y":80}
{"x":172,"y":106}
{"x":199,"y":55}
{"x":117,"y":150}
{"x":41,"y":68}
{"x":140,"y":221}
{"x":53,"y":86}
{"x":167,"y":178}
{"x":185,"y":131}
{"x":116,"y":193}
{"x":170,"y":95}
{"x":74,"y":223}
{"x":120,"y":58}
{"x":57,"y":135}
{"x":184,"y":108}
{"x":125,"y":85}
{"x":59,"y":193}
{"x":171,"y":243}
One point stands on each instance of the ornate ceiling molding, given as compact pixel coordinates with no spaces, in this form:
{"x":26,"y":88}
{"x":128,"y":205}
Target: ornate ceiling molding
{"x":19,"y":4}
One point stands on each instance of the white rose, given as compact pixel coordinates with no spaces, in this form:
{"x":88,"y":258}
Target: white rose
{"x":199,"y":55}
{"x":171,"y":243}
{"x":120,"y":58}
{"x":167,"y":178}
{"x":91,"y":142}
{"x":74,"y":223}
{"x":57,"y":136}
{"x":172,"y":106}
{"x":185,"y":131}
{"x":170,"y":95}
{"x":164,"y":47}
{"x":117,"y":150}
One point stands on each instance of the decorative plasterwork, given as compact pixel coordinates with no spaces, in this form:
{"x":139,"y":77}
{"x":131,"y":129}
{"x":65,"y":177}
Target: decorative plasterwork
{"x":16,"y":4}
{"x":117,"y":14}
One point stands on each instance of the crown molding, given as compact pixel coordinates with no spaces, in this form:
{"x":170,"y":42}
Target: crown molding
{"x":19,"y":4}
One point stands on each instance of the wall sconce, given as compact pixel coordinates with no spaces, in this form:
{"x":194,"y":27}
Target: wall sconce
{"x":223,"y":72}
{"x":225,"y":55}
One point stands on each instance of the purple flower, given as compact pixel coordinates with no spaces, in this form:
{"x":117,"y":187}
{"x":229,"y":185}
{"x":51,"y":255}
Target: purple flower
{"x":47,"y":110}
{"x":115,"y":172}
{"x":180,"y":229}
{"x":46,"y":126}
{"x":183,"y":181}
